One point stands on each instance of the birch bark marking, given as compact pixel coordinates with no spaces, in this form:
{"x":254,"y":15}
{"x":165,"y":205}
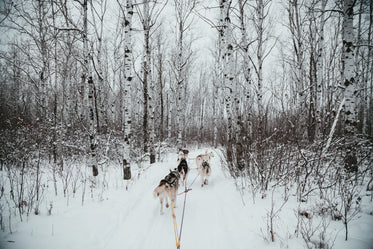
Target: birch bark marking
{"x":128,"y":81}
{"x":348,"y":67}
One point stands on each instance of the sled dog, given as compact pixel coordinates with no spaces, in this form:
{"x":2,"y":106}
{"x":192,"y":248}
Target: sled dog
{"x":182,"y":164}
{"x":169,"y":183}
{"x":183,"y":154}
{"x":206,"y":157}
{"x":205,"y":172}
{"x":183,"y":169}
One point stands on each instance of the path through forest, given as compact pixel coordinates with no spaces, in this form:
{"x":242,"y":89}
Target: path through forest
{"x":216,"y":217}
{"x":213,"y":215}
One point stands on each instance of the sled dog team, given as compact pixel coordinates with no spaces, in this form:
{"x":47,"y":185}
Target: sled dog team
{"x":170,"y":183}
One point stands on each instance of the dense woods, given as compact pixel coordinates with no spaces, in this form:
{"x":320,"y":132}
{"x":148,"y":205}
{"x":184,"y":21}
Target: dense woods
{"x":284,"y":87}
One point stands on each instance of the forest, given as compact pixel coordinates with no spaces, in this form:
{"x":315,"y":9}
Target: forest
{"x":283,"y":88}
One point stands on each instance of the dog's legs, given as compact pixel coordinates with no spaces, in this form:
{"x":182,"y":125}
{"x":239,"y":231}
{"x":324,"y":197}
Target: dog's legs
{"x":173,"y":194}
{"x":167,"y":205}
{"x":161,"y":200}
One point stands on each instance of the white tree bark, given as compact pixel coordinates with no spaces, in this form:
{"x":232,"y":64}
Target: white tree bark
{"x":295,"y":26}
{"x":348,"y":67}
{"x":244,"y":45}
{"x":183,"y":11}
{"x":128,"y":81}
{"x":228,"y":69}
{"x":320,"y":73}
{"x":91,"y":97}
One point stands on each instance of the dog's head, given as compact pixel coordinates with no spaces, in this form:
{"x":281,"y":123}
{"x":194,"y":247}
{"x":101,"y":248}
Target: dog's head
{"x":180,"y":155}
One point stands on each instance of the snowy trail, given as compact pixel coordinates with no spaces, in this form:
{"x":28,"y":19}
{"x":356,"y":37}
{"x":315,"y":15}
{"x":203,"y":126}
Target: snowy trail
{"x":131,"y":219}
{"x":215,"y":218}
{"x":212,"y":214}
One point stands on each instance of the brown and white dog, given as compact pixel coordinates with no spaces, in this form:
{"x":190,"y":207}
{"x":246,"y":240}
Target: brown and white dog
{"x":169,"y":184}
{"x":203,"y":166}
{"x":205,"y":173}
{"x":206,"y":157}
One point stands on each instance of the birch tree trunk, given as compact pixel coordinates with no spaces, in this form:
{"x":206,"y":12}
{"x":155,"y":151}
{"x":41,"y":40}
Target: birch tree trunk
{"x":348,"y":77}
{"x":244,"y":45}
{"x":180,"y":79}
{"x":348,"y":74}
{"x":41,"y":16}
{"x":148,"y":85}
{"x":128,"y":82}
{"x":320,"y":73}
{"x":91,"y":100}
{"x":183,"y":10}
{"x":160,"y":58}
{"x":100,"y":100}
{"x":260,"y":58}
{"x":228,"y":75}
{"x":295,"y":26}
{"x":370,"y":69}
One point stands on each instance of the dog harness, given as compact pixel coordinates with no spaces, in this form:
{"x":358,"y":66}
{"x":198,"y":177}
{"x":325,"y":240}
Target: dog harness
{"x":171,"y":179}
{"x":204,"y":164}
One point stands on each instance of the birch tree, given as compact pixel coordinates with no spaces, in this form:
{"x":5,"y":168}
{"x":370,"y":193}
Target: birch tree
{"x":320,"y":70}
{"x":98,"y":11}
{"x":297,"y":33}
{"x":183,"y":10}
{"x":161,"y":79}
{"x":228,"y":71}
{"x":148,"y":16}
{"x":87,"y":74}
{"x":244,"y":46}
{"x":29,"y":18}
{"x":316,"y":23}
{"x":349,"y":82}
{"x":348,"y":75}
{"x":370,"y":68}
{"x":128,"y":81}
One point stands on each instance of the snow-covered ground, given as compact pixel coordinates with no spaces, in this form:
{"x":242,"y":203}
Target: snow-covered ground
{"x":217,"y":216}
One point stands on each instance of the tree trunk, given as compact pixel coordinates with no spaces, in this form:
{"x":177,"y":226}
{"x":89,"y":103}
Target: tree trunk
{"x":91,"y":100}
{"x":348,"y":67}
{"x":128,"y":82}
{"x":320,"y":74}
{"x":228,"y":75}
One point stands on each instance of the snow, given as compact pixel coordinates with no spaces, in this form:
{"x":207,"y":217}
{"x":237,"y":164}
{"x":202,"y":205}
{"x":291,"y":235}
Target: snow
{"x":219,"y":215}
